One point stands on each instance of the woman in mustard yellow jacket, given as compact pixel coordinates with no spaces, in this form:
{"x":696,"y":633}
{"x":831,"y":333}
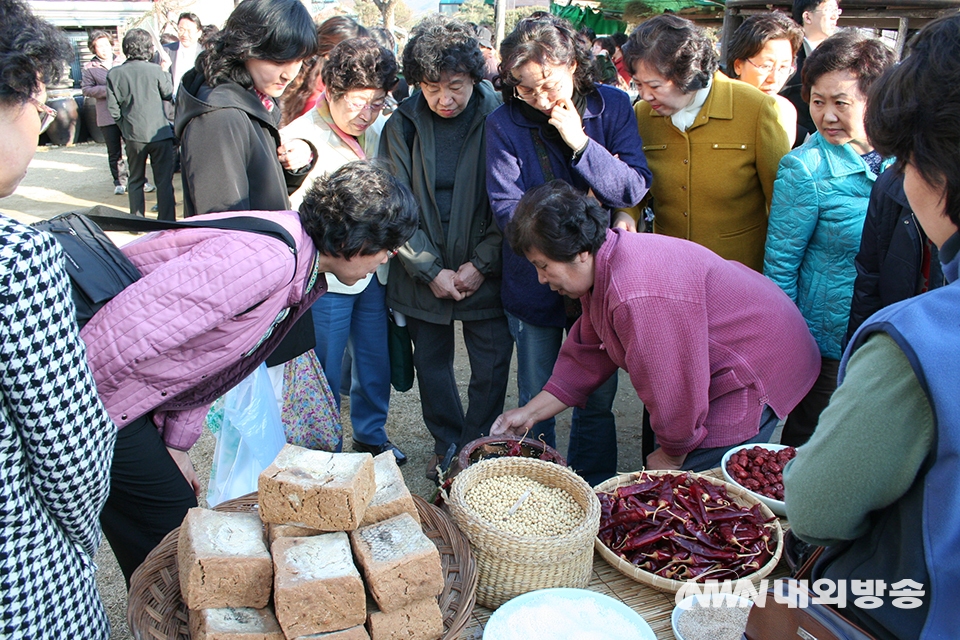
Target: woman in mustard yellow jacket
{"x":713,"y":144}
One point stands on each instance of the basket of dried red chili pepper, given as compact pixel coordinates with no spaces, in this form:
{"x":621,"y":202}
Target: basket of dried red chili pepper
{"x":665,"y":528}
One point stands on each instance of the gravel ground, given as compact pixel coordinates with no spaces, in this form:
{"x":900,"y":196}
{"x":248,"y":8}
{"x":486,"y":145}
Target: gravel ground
{"x":68,"y":178}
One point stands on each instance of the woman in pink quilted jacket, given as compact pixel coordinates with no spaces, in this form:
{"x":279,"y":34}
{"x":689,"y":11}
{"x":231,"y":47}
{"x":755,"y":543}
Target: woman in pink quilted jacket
{"x":211,"y":306}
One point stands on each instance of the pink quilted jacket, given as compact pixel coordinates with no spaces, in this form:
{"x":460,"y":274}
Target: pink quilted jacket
{"x":207,"y":298}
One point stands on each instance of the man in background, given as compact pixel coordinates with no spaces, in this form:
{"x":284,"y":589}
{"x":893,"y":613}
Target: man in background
{"x":818,"y":19}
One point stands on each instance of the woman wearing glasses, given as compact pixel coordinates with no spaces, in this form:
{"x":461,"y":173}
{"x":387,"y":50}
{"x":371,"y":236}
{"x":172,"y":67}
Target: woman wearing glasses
{"x":713,"y":143}
{"x":820,"y":203}
{"x":56,"y":438}
{"x":345,"y":126}
{"x":557,"y":123}
{"x":450,"y":269}
{"x":762,"y":52}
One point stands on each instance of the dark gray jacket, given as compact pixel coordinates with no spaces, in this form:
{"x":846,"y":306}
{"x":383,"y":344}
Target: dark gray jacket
{"x":136,"y":91}
{"x":407,"y":142}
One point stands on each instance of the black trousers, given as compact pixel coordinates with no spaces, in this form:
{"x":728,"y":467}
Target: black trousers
{"x":802,"y":421}
{"x":118,"y":168}
{"x":489,"y":348}
{"x":161,"y":159}
{"x":149,"y":496}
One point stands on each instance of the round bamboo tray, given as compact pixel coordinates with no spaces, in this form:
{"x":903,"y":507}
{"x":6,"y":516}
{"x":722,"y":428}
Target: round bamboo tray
{"x":510,"y":564}
{"x":737,"y":494}
{"x":155,"y":610}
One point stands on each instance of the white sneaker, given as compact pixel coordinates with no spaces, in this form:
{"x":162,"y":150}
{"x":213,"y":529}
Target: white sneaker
{"x":149,"y":188}
{"x":119,"y":190}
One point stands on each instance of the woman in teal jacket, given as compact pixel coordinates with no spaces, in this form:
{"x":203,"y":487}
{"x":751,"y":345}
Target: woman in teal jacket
{"x":820,"y":201}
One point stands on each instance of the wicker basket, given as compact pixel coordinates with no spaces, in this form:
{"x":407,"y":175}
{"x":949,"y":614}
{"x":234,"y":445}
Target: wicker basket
{"x":155,"y":610}
{"x":738,"y":495}
{"x":511,"y":564}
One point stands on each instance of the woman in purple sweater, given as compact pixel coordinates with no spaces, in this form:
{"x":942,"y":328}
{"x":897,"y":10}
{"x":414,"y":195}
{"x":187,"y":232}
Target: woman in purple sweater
{"x":715,"y":351}
{"x":556,"y":123}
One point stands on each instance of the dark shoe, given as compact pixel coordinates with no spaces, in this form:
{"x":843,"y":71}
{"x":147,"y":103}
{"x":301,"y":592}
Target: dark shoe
{"x":377,"y":449}
{"x":432,"y":474}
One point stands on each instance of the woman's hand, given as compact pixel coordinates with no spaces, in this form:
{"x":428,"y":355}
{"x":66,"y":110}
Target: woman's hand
{"x":443,"y":285}
{"x":514,"y":422}
{"x":294,"y":154}
{"x":468,"y":279}
{"x":565,"y":118}
{"x":182,"y":458}
{"x":660,"y":461}
{"x":623,"y":220}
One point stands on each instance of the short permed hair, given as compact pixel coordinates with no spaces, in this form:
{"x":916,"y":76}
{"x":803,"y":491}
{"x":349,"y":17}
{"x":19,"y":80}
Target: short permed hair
{"x":358,"y":63}
{"x":678,"y":49}
{"x":32,"y":51}
{"x":438,"y":44}
{"x":756,"y":31}
{"x":546,"y":39}
{"x":558,"y":221}
{"x":359,"y":209}
{"x":274,"y":30}
{"x":913,"y":113}
{"x":138,"y":45}
{"x":847,"y":50}
{"x":95,"y":35}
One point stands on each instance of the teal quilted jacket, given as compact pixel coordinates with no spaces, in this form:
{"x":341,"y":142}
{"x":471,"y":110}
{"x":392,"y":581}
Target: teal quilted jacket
{"x":819,"y":204}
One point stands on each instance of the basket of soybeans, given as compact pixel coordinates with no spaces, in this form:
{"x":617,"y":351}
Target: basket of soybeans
{"x":530,"y":523}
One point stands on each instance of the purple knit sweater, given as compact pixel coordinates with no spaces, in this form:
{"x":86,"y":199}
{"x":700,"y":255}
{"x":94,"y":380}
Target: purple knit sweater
{"x":707,"y":342}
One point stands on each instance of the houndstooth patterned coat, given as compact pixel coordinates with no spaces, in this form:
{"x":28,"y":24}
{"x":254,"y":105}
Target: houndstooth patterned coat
{"x":56,"y":444}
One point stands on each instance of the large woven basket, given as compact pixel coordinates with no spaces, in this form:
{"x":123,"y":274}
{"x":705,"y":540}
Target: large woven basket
{"x":737,"y":494}
{"x":511,"y":564}
{"x":155,"y":609}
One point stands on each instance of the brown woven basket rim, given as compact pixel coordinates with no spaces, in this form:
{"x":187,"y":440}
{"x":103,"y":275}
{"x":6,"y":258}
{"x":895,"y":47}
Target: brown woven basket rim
{"x":672,"y":586}
{"x":467,"y":519}
{"x":155,"y":609}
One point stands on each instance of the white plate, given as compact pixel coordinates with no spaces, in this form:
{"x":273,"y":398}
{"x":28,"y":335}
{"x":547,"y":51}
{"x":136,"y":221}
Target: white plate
{"x":777,"y":506}
{"x":728,"y":599}
{"x":571,"y":614}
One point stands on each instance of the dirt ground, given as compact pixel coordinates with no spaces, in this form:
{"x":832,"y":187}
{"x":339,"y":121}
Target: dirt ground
{"x":70,"y":178}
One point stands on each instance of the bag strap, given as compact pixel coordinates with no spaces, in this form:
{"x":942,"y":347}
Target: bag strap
{"x":126,"y":222}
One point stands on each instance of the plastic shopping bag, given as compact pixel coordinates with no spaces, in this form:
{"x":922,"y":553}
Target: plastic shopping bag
{"x":250,"y":437}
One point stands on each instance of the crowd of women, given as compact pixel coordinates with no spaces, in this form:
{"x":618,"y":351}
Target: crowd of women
{"x":510,"y":208}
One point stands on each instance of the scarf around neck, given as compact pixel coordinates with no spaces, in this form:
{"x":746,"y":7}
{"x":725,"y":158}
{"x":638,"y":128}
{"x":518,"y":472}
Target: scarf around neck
{"x":355,"y":144}
{"x":548,"y":131}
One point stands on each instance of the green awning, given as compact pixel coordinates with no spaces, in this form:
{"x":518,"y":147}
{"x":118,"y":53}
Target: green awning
{"x":584,"y":17}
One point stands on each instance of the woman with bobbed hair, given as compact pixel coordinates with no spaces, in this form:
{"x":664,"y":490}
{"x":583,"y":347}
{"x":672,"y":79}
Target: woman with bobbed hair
{"x":820,"y":202}
{"x":558,"y":123}
{"x":877,"y":482}
{"x":450,"y":269}
{"x":713,"y":349}
{"x":302,"y":94}
{"x":56,"y":437}
{"x":93,"y":84}
{"x":344,"y":126}
{"x":227,"y":112}
{"x":713,"y":144}
{"x":762,"y":52}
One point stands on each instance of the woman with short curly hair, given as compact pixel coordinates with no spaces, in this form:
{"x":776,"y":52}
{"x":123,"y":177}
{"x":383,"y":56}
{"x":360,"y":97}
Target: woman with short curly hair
{"x":93,"y":84}
{"x":56,"y":437}
{"x":450,"y":269}
{"x":344,"y":126}
{"x":713,"y":144}
{"x":558,"y":123}
{"x":820,"y":203}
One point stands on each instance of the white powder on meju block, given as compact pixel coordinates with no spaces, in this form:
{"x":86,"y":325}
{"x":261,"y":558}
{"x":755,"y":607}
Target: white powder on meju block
{"x":321,"y":557}
{"x":557,"y":616}
{"x":231,"y":534}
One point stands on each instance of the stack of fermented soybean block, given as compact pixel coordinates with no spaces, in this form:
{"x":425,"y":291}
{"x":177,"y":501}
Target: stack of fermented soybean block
{"x":326,"y":513}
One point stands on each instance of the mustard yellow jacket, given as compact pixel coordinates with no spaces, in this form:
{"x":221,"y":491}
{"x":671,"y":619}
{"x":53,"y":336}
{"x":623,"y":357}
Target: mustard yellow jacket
{"x":713,"y":183}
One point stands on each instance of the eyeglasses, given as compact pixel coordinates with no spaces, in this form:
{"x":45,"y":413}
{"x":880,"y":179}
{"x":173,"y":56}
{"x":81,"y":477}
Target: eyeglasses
{"x":359,"y":107}
{"x":767,"y":68}
{"x":47,"y":114}
{"x":829,"y":8}
{"x":550,"y":91}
